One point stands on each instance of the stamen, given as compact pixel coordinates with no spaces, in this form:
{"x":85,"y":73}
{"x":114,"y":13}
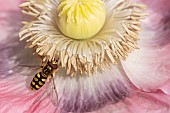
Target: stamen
{"x":55,"y":28}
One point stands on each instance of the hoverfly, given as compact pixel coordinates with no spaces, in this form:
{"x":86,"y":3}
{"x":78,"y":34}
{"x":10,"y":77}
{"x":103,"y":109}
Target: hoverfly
{"x":40,"y":78}
{"x":46,"y":73}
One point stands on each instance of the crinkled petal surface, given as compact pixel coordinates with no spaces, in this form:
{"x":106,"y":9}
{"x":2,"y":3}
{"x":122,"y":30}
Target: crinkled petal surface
{"x":111,"y":91}
{"x":149,"y":67}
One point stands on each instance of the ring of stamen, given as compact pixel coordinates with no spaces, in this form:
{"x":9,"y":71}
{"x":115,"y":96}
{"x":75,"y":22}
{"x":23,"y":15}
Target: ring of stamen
{"x":115,"y":40}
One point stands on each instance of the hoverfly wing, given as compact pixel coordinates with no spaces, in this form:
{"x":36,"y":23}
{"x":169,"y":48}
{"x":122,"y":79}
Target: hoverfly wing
{"x":52,"y":92}
{"x":49,"y":92}
{"x":25,"y":70}
{"x":38,"y":100}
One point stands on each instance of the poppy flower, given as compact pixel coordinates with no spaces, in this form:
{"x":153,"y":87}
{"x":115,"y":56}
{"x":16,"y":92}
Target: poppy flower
{"x":103,"y":69}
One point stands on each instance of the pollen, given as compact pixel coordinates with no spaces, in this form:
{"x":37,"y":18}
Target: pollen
{"x":80,"y":19}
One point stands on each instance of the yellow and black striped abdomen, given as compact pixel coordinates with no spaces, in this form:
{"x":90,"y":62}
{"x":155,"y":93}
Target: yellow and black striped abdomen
{"x":38,"y":81}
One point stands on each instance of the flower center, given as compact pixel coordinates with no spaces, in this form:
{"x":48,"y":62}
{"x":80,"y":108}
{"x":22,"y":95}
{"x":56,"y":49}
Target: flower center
{"x":80,"y":19}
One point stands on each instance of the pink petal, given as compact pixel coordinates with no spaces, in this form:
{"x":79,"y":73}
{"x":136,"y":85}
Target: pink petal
{"x":9,"y":4}
{"x":86,"y":94}
{"x":159,"y":6}
{"x":111,"y":87}
{"x":93,"y":92}
{"x":149,"y":67}
{"x":15,"y":96}
{"x":165,"y":88}
{"x":141,"y":103}
{"x":96,"y":91}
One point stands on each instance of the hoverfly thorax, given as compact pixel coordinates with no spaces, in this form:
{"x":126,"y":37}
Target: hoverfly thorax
{"x":41,"y":77}
{"x":47,"y":70}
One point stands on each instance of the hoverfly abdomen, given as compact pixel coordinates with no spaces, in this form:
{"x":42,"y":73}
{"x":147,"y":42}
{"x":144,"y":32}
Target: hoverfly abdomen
{"x":38,"y":81}
{"x":41,"y":77}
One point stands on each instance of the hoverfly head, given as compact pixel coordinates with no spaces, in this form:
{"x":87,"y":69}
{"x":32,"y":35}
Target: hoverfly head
{"x":53,"y":64}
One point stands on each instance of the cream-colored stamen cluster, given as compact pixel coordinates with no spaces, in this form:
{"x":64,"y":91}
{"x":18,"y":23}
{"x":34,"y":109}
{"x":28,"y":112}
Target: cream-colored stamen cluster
{"x":115,"y":40}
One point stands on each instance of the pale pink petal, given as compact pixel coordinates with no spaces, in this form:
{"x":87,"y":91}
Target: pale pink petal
{"x":85,"y":94}
{"x":106,"y":87}
{"x":165,"y":87}
{"x":159,"y":6}
{"x":141,"y":103}
{"x":8,"y":13}
{"x":96,"y":91}
{"x":111,"y":86}
{"x":149,"y":67}
{"x":9,"y":5}
{"x":15,"y":96}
